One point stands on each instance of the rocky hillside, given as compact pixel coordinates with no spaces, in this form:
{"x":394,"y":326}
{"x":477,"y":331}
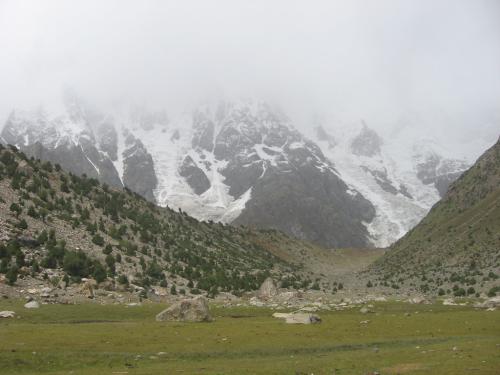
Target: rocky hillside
{"x":456,"y":247}
{"x":55,"y":225}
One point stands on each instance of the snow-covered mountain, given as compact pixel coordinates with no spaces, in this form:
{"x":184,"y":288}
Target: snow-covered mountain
{"x":402,"y":178}
{"x":243,"y":162}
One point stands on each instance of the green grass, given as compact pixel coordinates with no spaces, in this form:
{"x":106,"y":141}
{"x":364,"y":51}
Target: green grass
{"x":95,"y":339}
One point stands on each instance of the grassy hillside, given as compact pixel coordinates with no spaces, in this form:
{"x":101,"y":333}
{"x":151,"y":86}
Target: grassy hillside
{"x":456,"y":248}
{"x":52,"y":222}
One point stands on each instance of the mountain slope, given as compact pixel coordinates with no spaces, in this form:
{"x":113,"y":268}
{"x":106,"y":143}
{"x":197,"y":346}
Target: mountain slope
{"x":458,"y":243}
{"x":56,"y":224}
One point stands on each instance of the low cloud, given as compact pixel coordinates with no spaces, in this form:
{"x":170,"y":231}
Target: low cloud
{"x":378,"y":60}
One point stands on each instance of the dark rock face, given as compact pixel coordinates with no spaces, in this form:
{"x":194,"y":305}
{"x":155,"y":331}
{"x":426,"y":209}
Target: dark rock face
{"x":35,"y":135}
{"x":383,"y":181}
{"x":309,"y":205}
{"x":84,"y":160}
{"x":108,"y":139}
{"x":294,"y":188}
{"x":194,"y":176}
{"x":138,"y":172}
{"x":367,"y":143}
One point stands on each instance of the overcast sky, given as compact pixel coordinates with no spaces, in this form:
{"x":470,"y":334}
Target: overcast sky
{"x":377,"y":60}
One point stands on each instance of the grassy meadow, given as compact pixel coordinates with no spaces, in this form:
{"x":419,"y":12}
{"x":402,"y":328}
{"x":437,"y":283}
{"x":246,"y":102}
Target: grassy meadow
{"x":115,"y":339}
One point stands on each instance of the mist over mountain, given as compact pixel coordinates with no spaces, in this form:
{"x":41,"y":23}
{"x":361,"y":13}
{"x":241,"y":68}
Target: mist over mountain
{"x":340,"y":123}
{"x":245,"y":162}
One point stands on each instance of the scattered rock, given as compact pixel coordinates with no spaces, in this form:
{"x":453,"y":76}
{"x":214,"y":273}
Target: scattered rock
{"x":310,"y":309}
{"x":254,"y":301}
{"x":7,"y":314}
{"x":268,"y":289}
{"x":365,"y":310}
{"x":32,"y":305}
{"x":45,"y":292}
{"x":190,"y":310}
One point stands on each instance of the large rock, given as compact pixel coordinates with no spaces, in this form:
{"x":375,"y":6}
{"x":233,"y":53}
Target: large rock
{"x":88,"y":287}
{"x":32,"y":305}
{"x":490,"y":303}
{"x":190,"y":310}
{"x":418,"y":300}
{"x":298,"y":318}
{"x":7,"y":314}
{"x":268,"y":289}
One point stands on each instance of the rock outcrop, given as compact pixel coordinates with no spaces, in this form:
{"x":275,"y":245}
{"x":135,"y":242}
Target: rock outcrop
{"x":7,"y":314}
{"x":268,"y":289}
{"x":189,"y":310}
{"x":32,"y":305}
{"x":298,"y":318}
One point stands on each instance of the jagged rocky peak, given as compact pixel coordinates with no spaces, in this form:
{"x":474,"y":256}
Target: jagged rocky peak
{"x":253,"y":126}
{"x":367,"y":142}
{"x":67,"y":139}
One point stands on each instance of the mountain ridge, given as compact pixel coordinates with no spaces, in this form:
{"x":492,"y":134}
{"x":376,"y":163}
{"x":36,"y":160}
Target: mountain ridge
{"x":233,"y":162}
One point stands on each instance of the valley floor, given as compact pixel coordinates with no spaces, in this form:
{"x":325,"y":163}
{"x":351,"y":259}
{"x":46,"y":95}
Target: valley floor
{"x":397,"y":338}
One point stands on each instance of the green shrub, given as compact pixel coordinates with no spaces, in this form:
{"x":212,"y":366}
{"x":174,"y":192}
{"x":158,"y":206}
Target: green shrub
{"x":11,"y":275}
{"x":76,"y":263}
{"x":98,"y":240}
{"x":99,"y":273}
{"x":122,"y":279}
{"x":108,"y":249}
